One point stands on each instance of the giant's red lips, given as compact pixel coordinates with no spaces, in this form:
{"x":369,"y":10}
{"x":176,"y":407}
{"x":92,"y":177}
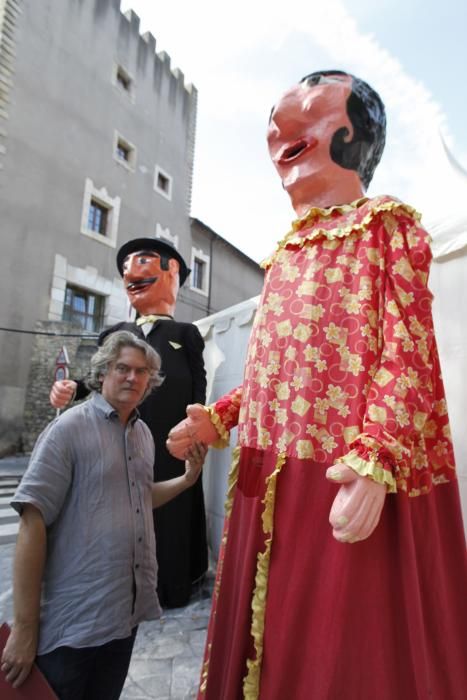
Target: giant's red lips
{"x":295,"y":150}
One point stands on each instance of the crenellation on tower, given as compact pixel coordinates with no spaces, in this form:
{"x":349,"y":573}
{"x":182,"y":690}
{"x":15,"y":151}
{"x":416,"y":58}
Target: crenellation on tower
{"x":164,"y":58}
{"x":133,"y":19}
{"x":142,"y":49}
{"x":144,"y":54}
{"x":150,"y":40}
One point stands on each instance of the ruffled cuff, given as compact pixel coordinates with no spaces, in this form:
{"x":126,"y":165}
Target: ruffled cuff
{"x":224,"y":435}
{"x":372,"y":462}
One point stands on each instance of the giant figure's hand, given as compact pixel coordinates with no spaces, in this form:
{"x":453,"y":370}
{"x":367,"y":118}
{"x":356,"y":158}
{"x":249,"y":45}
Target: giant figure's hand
{"x":357,"y":507}
{"x":62,"y":393}
{"x":197,"y":427}
{"x":19,"y":653}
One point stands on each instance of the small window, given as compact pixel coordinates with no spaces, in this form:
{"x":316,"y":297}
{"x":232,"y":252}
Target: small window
{"x":84,"y":308}
{"x":162,"y":183}
{"x":199,"y":278}
{"x":124,"y":151}
{"x":198,"y":274}
{"x":97,"y":217}
{"x":122,"y":79}
{"x":100,"y":214}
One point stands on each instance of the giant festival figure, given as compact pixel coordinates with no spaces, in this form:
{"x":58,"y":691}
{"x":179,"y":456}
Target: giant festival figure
{"x":342,"y":572}
{"x":152,"y":271}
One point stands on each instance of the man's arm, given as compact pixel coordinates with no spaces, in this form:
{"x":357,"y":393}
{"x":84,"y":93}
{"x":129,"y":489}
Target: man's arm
{"x":164,"y":491}
{"x":31,"y":546}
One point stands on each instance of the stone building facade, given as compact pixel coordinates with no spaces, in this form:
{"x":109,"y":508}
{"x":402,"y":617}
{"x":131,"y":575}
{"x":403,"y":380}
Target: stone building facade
{"x":97,"y":136}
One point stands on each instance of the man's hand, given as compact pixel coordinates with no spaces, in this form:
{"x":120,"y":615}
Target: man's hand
{"x":163,"y":491}
{"x":19,"y":653}
{"x":195,"y":457}
{"x":62,"y":393}
{"x":197,"y":427}
{"x":357,"y":507}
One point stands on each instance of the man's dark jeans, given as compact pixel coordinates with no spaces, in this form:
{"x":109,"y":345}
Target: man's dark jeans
{"x":89,"y":673}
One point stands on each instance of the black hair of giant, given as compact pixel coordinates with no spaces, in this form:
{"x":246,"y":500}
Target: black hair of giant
{"x":368,"y":118}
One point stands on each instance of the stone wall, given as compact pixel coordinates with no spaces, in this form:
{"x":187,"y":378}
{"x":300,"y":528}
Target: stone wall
{"x":38,"y":411}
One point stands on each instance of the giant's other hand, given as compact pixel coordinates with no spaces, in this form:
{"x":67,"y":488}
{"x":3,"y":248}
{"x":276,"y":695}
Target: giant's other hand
{"x":62,"y":393}
{"x":357,"y":507}
{"x":19,"y":653}
{"x":196,"y":427}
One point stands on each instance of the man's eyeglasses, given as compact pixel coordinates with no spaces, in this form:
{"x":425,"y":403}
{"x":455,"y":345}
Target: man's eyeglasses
{"x":124,"y":370}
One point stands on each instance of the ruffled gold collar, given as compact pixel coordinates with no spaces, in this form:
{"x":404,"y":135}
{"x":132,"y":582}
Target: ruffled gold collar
{"x":336,"y":222}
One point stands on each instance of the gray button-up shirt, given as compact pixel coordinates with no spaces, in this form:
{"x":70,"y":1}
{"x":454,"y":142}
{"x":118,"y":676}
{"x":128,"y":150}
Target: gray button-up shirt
{"x":91,"y":478}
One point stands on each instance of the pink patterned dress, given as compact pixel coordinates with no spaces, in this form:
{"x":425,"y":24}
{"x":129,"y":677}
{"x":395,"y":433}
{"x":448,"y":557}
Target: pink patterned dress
{"x":342,"y":364}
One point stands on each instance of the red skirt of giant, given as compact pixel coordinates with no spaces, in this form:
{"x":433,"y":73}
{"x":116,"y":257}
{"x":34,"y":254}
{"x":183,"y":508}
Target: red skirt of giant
{"x":299,"y":616}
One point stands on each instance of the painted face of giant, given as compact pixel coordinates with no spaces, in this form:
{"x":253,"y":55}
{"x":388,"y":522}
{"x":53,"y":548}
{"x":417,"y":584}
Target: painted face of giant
{"x":150,"y":288}
{"x":299,"y":136}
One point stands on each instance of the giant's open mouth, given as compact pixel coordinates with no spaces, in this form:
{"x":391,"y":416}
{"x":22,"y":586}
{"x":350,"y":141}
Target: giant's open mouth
{"x":138,"y":285}
{"x":295,"y":150}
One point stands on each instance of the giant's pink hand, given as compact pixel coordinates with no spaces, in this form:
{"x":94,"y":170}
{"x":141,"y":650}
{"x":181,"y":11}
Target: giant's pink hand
{"x":197,"y":427}
{"x":62,"y":393}
{"x":357,"y":507}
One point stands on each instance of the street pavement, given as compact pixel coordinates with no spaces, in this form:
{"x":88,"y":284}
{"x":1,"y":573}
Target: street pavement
{"x":168,"y":652}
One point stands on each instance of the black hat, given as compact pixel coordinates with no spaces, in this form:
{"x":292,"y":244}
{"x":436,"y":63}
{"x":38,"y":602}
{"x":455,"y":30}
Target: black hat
{"x":165,"y":250}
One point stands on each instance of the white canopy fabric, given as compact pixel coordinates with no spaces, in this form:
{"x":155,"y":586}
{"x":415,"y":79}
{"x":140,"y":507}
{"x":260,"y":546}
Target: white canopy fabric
{"x":448,"y":282}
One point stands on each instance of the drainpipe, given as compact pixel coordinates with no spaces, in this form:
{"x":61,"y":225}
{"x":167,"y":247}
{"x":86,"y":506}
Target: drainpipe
{"x":211,"y":242}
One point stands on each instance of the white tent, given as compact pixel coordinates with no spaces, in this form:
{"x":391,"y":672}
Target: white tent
{"x":448,"y":282}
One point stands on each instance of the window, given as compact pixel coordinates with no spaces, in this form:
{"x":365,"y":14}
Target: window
{"x":199,"y":279}
{"x":123,"y":79}
{"x":197,"y":276}
{"x":100,"y":214}
{"x":162,"y":182}
{"x":124,"y":151}
{"x":97,"y":217}
{"x":83,"y":308}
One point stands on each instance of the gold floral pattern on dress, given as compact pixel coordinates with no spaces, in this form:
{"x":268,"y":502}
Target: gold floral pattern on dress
{"x":342,"y":362}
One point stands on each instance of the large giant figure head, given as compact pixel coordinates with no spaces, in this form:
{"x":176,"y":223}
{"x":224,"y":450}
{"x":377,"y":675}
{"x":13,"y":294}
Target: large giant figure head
{"x":152,"y":271}
{"x":325,"y":137}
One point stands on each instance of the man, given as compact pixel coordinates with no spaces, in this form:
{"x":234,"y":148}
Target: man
{"x":86,"y":536}
{"x":152,"y":272}
{"x":342,"y":386}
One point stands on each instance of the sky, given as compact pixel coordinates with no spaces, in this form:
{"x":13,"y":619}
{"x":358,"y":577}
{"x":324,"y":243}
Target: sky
{"x":243,"y":55}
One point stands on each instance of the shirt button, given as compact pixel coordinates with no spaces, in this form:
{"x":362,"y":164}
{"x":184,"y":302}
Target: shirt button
{"x":137,"y":510}
{"x":132,"y":483}
{"x":140,"y":539}
{"x":129,"y":459}
{"x":136,"y":566}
